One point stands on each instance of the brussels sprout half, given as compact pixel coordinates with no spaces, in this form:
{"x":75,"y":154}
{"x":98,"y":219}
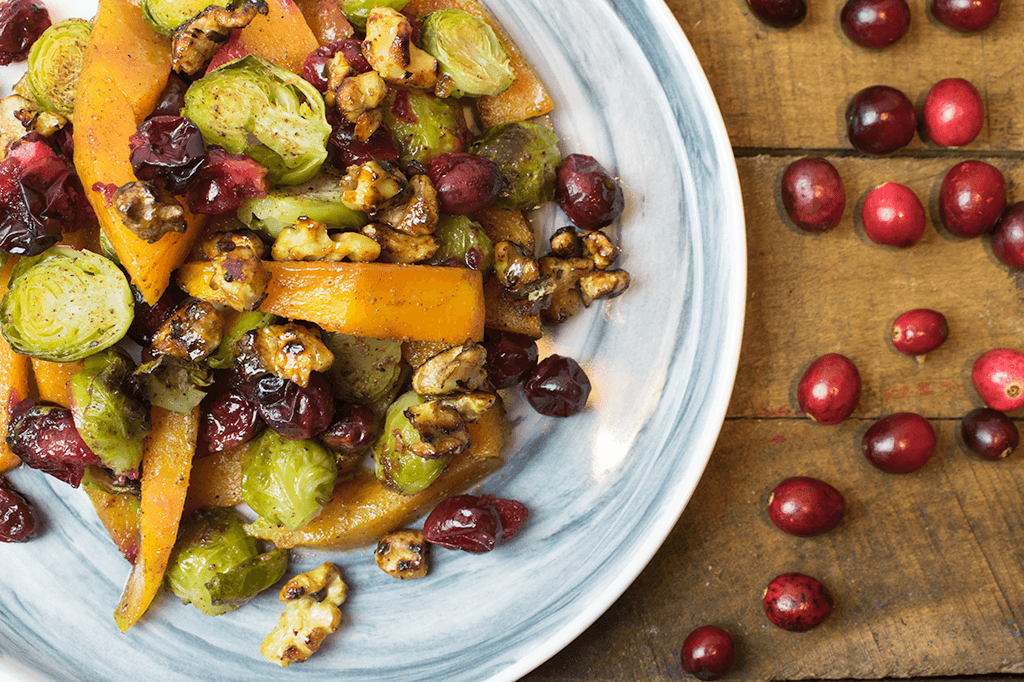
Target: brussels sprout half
{"x":245,"y":321}
{"x":424,"y":125}
{"x":468,"y":51}
{"x":287,"y":482}
{"x":463,"y":244}
{"x":365,"y":371}
{"x":318,"y":199}
{"x":54,"y":65}
{"x":167,"y":15}
{"x":254,"y":107}
{"x":528,"y":156}
{"x":400,"y":470}
{"x":356,"y":11}
{"x":64,"y":305}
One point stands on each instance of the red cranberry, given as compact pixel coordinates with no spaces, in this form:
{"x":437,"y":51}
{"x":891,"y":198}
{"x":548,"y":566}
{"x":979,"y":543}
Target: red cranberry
{"x":875,"y":23}
{"x":510,"y":357}
{"x":813,"y":194}
{"x":149,"y":318}
{"x":464,"y":182}
{"x":899,"y":443}
{"x":998,"y":376}
{"x":965,"y":16}
{"x":972,"y":198}
{"x":167,"y":147}
{"x":989,"y":433}
{"x":1008,"y":236}
{"x":892,"y":215}
{"x":21,"y":24}
{"x":353,"y":428}
{"x":587,"y":193}
{"x":919,"y":331}
{"x":224,"y":182}
{"x":953,"y":113}
{"x":463,"y":522}
{"x":172,"y":98}
{"x":779,"y":13}
{"x":352,"y":152}
{"x":44,"y":436}
{"x":558,"y":387}
{"x":229,"y":420}
{"x":880,"y":120}
{"x":512,"y":514}
{"x":708,"y":653}
{"x":829,"y":389}
{"x":805,"y":506}
{"x":17,"y":520}
{"x":314,"y":69}
{"x":295,"y":412}
{"x":796,"y":602}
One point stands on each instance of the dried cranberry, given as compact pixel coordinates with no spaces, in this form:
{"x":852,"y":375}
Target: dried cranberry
{"x":463,"y":522}
{"x":510,"y":357}
{"x":557,"y":387}
{"x":295,"y":412}
{"x":169,"y":148}
{"x":512,"y":514}
{"x":224,"y":182}
{"x":464,"y":182}
{"x":21,"y":24}
{"x":229,"y":420}
{"x":172,"y":98}
{"x":352,"y":152}
{"x":228,"y":52}
{"x":17,"y":520}
{"x":40,"y":197}
{"x":587,"y":193}
{"x":43,"y":435}
{"x":149,"y":318}
{"x":353,"y":428}
{"x":314,"y":69}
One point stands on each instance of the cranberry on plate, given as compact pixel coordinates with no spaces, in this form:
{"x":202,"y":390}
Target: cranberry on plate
{"x":474,"y":523}
{"x":17,"y":519}
{"x":557,"y":387}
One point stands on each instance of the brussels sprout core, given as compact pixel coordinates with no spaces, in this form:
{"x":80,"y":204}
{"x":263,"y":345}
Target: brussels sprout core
{"x":64,"y":305}
{"x":469,"y":52}
{"x":54,"y":65}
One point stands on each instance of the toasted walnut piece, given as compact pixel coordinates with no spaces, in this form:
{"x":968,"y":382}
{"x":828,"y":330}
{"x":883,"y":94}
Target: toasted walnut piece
{"x":191,"y":333}
{"x":599,"y":248}
{"x":220,"y":243}
{"x":565,"y":243}
{"x":370,"y":186}
{"x":389,"y":49}
{"x":514,"y":265}
{"x":565,"y":274}
{"x":147,"y":211}
{"x":195,"y":41}
{"x":441,"y":429}
{"x":306,"y":622}
{"x":418,"y":214}
{"x":356,"y":95}
{"x":289,"y":351}
{"x":470,"y":406}
{"x":603,"y":284}
{"x":402,"y":554}
{"x":14,"y":109}
{"x":309,"y":240}
{"x":398,"y":247}
{"x":239,"y":277}
{"x":338,"y":69}
{"x":460,"y":369}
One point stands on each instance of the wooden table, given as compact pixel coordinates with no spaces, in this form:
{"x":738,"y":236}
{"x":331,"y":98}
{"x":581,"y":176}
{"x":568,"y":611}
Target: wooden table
{"x":926,"y":568}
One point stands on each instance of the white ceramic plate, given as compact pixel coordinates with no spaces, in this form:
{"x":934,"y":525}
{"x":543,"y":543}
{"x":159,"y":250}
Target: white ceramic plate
{"x":604,"y":487}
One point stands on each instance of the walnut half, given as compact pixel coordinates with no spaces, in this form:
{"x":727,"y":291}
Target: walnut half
{"x":306,"y":622}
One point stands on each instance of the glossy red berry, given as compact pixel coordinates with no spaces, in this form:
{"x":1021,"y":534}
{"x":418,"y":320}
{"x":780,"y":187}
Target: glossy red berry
{"x":989,"y":433}
{"x":880,"y":120}
{"x":813,"y":194}
{"x":875,"y":24}
{"x":708,"y":653}
{"x":998,"y":376}
{"x":892,"y":215}
{"x":953,"y":113}
{"x":796,"y":602}
{"x":805,"y":507}
{"x":966,"y":16}
{"x":557,"y":387}
{"x":919,"y":331}
{"x":779,"y":13}
{"x":1008,"y":236}
{"x":900,"y":443}
{"x":829,"y":389}
{"x":972,"y":198}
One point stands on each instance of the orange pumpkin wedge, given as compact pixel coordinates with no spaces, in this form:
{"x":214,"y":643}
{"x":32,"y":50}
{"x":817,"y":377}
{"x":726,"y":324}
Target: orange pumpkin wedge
{"x":378,"y":300}
{"x":282,"y":36}
{"x":15,"y":370}
{"x":52,"y":379}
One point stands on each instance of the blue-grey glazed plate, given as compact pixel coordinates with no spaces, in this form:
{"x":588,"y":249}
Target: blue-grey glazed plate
{"x":604,"y":487}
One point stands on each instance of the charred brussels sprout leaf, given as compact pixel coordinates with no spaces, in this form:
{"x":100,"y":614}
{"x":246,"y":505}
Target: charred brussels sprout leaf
{"x":174,"y":384}
{"x":245,"y":321}
{"x":54,"y":65}
{"x":287,"y":482}
{"x":528,"y":156}
{"x":318,"y":199}
{"x":167,"y":15}
{"x":394,"y":465}
{"x":424,"y":125}
{"x":468,"y":51}
{"x":216,"y":567}
{"x":64,"y":305}
{"x":356,"y":11}
{"x":253,"y":107}
{"x":463,"y":244}
{"x":109,"y":411}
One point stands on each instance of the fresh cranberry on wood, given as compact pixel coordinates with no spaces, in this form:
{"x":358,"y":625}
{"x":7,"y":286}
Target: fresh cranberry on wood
{"x":875,"y":24}
{"x":880,"y":120}
{"x":972,"y":198}
{"x":919,"y":331}
{"x":989,"y":433}
{"x":829,"y":389}
{"x":805,"y":507}
{"x":708,"y":653}
{"x":900,"y":443}
{"x":966,"y":16}
{"x":892,"y":215}
{"x":1008,"y":237}
{"x":779,"y":13}
{"x":998,"y":376}
{"x":953,"y":113}
{"x":796,"y":602}
{"x":813,"y":194}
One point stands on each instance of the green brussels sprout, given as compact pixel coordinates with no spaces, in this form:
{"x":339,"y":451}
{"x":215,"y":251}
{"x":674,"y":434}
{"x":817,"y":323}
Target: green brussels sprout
{"x":64,"y":305}
{"x":463,"y":243}
{"x":173,"y":383}
{"x":528,"y":156}
{"x":167,"y":15}
{"x":318,"y":199}
{"x":365,"y":371}
{"x":245,"y":321}
{"x":254,"y":107}
{"x":55,"y":63}
{"x":216,"y":566}
{"x":287,"y":482}
{"x":109,"y":411}
{"x":424,"y":125}
{"x":400,"y":470}
{"x":356,"y":11}
{"x":468,"y":51}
